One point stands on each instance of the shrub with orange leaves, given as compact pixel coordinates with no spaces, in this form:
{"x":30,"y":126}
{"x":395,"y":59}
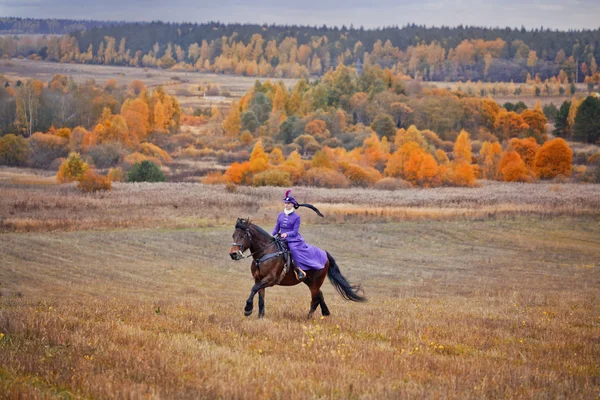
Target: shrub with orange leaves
{"x":361,"y":176}
{"x":71,"y":169}
{"x":137,"y":158}
{"x":152,"y":150}
{"x":325,"y":177}
{"x":554,"y":158}
{"x":460,"y":174}
{"x":214,"y":178}
{"x":238,"y":172}
{"x":91,"y":181}
{"x":295,"y":166}
{"x":317,"y":129}
{"x":512,"y":168}
{"x":321,"y":159}
{"x":509,"y":124}
{"x":526,"y":148}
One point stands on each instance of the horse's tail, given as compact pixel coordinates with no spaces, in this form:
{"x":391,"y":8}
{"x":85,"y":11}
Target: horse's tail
{"x":344,"y":288}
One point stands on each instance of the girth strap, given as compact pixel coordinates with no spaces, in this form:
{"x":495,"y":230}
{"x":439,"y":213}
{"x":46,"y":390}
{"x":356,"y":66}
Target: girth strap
{"x":281,"y":252}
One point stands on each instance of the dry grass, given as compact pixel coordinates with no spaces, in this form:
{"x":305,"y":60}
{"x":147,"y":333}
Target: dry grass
{"x":185,"y":82}
{"x":461,"y":305}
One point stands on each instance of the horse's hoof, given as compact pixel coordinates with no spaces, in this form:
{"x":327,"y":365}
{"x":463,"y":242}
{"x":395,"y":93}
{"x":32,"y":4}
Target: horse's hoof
{"x":247,"y":313}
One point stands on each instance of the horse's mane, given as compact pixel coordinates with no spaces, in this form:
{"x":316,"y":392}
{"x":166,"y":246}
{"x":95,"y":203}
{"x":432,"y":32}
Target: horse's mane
{"x":245,"y":224}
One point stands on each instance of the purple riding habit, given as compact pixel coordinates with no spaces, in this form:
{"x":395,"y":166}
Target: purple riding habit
{"x":306,"y":256}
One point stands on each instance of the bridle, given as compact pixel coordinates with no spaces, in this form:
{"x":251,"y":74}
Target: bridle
{"x":248,"y":234}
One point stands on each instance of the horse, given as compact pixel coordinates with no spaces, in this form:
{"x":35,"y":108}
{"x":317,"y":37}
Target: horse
{"x":271,"y":267}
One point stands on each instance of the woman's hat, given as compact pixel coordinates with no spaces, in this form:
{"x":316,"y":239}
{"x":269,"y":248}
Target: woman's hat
{"x":289,"y":199}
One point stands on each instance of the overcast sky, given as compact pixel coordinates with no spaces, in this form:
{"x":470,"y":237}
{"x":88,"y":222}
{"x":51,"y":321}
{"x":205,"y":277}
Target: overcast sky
{"x":563,"y":15}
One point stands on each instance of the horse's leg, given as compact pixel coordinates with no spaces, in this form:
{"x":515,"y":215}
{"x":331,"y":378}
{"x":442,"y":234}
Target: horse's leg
{"x":324,"y":309}
{"x":261,"y":302}
{"x":250,"y":302}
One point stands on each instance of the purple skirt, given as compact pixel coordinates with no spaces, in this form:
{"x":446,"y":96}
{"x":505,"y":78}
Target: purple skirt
{"x":307,"y":256}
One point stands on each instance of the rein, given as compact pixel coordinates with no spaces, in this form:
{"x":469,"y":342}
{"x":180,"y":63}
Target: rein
{"x":280,"y":252}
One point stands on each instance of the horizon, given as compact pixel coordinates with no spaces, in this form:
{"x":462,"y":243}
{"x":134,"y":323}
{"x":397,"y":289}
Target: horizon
{"x":531,"y":15}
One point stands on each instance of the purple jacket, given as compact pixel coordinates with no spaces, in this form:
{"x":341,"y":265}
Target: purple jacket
{"x":289,"y":224}
{"x":305,"y":255}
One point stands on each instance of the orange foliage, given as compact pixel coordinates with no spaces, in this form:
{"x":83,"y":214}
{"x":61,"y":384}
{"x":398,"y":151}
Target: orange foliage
{"x":136,"y":115}
{"x":137,"y":158}
{"x":489,"y":156}
{"x":395,"y":166}
{"x":317,"y":129}
{"x":526,"y":148}
{"x":361,"y":176}
{"x":536,"y":120}
{"x":374,"y":154}
{"x":259,"y":159}
{"x":71,"y":169}
{"x":462,"y":148}
{"x":554,"y":158}
{"x":513,"y":168}
{"x":90,"y":181}
{"x":321,"y":159}
{"x":326,"y":177}
{"x":152,"y":150}
{"x":237,"y":173}
{"x":461,"y":174}
{"x":509,"y":124}
{"x":214,"y":178}
{"x":272,"y":177}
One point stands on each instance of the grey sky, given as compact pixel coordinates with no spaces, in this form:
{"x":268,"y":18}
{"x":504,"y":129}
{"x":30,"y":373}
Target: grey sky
{"x":563,"y":15}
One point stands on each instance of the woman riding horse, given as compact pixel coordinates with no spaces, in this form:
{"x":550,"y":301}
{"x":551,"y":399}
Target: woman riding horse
{"x":287,"y":227}
{"x":271,"y":267}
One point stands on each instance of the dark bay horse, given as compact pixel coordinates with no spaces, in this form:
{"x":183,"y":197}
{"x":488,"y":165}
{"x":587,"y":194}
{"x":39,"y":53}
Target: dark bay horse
{"x":269,"y":269}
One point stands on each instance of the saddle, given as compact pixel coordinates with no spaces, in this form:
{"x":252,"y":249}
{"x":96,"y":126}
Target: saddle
{"x":282,"y":250}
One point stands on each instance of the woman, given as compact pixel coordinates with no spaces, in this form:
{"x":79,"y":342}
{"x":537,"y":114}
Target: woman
{"x":305,"y":256}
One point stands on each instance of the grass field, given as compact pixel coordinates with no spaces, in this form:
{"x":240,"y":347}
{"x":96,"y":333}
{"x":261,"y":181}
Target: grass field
{"x":473,"y":293}
{"x":180,"y":83}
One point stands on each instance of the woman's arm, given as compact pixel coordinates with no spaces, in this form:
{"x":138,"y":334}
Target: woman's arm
{"x":276,"y":229}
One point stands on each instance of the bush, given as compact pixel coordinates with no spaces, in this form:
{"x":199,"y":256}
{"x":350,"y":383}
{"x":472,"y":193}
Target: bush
{"x":137,"y":158}
{"x":90,"y":181}
{"x":325,"y":177}
{"x":554,"y":158}
{"x":13,"y":150}
{"x":152,"y":150}
{"x":391,"y":184}
{"x":146,"y":171}
{"x":106,"y":155}
{"x":71,"y":169}
{"x":214,"y":178}
{"x":46,"y":148}
{"x":272,"y":177}
{"x":361,"y":176}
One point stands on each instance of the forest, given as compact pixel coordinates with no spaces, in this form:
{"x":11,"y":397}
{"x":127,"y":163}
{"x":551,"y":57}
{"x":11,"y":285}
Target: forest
{"x":427,"y":53}
{"x":376,"y":129}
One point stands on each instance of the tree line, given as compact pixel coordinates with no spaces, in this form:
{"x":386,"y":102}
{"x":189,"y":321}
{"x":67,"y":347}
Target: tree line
{"x":437,"y":53}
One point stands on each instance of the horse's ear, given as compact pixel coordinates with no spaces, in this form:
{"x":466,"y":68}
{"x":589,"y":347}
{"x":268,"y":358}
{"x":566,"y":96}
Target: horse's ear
{"x":248,"y":221}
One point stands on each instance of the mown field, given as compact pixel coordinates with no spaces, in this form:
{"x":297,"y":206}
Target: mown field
{"x":473,"y":293}
{"x":180,"y":83}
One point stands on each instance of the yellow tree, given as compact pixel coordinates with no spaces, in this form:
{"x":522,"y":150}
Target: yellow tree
{"x":136,"y":115}
{"x":462,"y":148}
{"x":232,"y":123}
{"x":489,"y":157}
{"x":259,"y":159}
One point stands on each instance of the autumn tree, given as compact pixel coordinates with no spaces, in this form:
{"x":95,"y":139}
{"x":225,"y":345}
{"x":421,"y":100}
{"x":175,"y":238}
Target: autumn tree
{"x":509,"y":124}
{"x":512,"y":167}
{"x":317,"y":129}
{"x":554,"y":158}
{"x":233,"y":123}
{"x":527,"y":148}
{"x":489,"y":157}
{"x":13,"y":150}
{"x":71,"y":169}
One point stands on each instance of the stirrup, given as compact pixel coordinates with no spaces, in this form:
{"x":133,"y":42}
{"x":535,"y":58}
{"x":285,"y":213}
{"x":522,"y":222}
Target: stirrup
{"x":300,"y":275}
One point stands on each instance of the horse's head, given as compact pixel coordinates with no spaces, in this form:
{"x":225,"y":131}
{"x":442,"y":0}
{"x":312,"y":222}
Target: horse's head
{"x":241,"y":239}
